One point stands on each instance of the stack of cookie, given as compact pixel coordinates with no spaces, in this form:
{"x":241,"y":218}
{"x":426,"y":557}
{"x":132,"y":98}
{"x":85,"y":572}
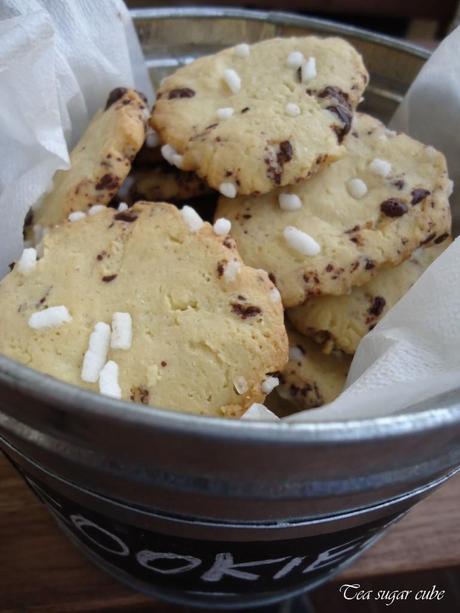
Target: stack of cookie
{"x":322,"y":220}
{"x":342,"y":213}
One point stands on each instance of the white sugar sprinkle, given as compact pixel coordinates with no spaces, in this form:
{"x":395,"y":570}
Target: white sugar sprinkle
{"x":431,"y":151}
{"x":309,"y":69}
{"x":122,"y":331}
{"x":232,"y":79}
{"x":50,"y":317}
{"x":228,"y":189}
{"x":152,"y":139}
{"x":289,"y":202}
{"x":222,"y":226}
{"x":96,"y":355}
{"x":76,"y":216}
{"x":96,"y":208}
{"x":357,"y":188}
{"x":275,"y":295}
{"x":231,"y":270}
{"x":122,"y":207}
{"x":450,"y":188}
{"x":167,"y":151}
{"x":241,"y":385}
{"x":379,"y":167}
{"x":191,"y":218}
{"x":295,"y":59}
{"x":242,"y":50}
{"x":293,"y":110}
{"x":295,"y":354}
{"x":259,"y":412}
{"x":301,"y":241}
{"x":178,"y":160}
{"x":225,"y":112}
{"x":269,"y":384}
{"x":108,"y":380}
{"x":28,"y":261}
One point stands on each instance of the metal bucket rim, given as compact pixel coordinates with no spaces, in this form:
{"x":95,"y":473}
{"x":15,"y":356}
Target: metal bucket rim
{"x":73,"y":398}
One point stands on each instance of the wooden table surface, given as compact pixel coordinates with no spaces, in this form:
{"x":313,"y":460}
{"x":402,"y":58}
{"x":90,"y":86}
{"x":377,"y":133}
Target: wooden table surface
{"x":40,"y":571}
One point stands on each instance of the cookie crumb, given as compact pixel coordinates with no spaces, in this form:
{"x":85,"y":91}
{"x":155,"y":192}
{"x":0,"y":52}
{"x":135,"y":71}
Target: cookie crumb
{"x":356,"y":188}
{"x":28,"y":261}
{"x":228,"y":189}
{"x":289,"y":202}
{"x":232,"y":79}
{"x":96,"y":355}
{"x":301,"y":241}
{"x":222,"y":226}
{"x":108,"y":380}
{"x":191,"y":218}
{"x":49,"y":318}
{"x":242,"y":50}
{"x":122,"y":331}
{"x":379,"y":167}
{"x":295,"y":59}
{"x":241,"y":385}
{"x":76,"y":216}
{"x":225,"y":112}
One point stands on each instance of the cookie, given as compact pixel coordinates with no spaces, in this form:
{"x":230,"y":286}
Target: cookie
{"x":100,"y":161}
{"x":163,"y":183}
{"x":342,"y":321}
{"x":158,"y":299}
{"x":372,"y":208}
{"x":253,"y":117}
{"x":311,"y":378}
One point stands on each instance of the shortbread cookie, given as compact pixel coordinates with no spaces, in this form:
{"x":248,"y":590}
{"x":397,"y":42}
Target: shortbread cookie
{"x":164,"y":183}
{"x":342,"y":321}
{"x":100,"y":161}
{"x":311,"y":378}
{"x":253,"y":117}
{"x":192,"y":328}
{"x":372,"y":208}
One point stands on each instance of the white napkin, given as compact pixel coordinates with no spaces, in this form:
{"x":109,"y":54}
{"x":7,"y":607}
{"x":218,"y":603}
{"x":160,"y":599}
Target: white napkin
{"x":58,"y":62}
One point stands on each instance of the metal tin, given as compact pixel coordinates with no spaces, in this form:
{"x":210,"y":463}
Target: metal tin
{"x":198,"y":488}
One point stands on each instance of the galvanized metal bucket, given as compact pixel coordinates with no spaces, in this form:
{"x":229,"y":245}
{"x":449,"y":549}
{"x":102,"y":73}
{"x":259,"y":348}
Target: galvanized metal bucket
{"x":223,"y":513}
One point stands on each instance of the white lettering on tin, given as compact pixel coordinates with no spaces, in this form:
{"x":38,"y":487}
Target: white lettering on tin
{"x":82,"y":524}
{"x":146,"y":557}
{"x":224,"y":565}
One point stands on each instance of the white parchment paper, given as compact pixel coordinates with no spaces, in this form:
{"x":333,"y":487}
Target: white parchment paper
{"x":58,"y":62}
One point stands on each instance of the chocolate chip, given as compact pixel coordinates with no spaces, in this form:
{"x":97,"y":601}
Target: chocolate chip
{"x":329,"y":268}
{"x":393,"y":207}
{"x":128,"y":216}
{"x":354,"y":266}
{"x":11,"y":265}
{"x":399,"y":184}
{"x":245,"y":310}
{"x":228,"y":242}
{"x":101,"y":256}
{"x":369,"y":264}
{"x":241,"y":297}
{"x":163,"y":363}
{"x":247,"y":216}
{"x":285,"y":153}
{"x":353,"y":229}
{"x":220,"y":268}
{"x":428,"y":239}
{"x":245,"y":110}
{"x":345,"y":117}
{"x":418,"y":195}
{"x":108,"y":278}
{"x":441,"y":238}
{"x":115,"y":95}
{"x":212,"y":126}
{"x":108,"y":181}
{"x":140,"y":394}
{"x":377,"y":306}
{"x":298,"y":74}
{"x":182,"y":92}
{"x":337,"y":94}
